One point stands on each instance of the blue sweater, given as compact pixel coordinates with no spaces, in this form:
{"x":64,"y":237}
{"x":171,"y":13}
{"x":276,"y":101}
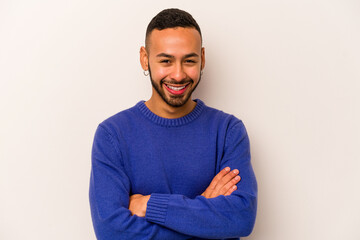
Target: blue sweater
{"x":174,"y":160}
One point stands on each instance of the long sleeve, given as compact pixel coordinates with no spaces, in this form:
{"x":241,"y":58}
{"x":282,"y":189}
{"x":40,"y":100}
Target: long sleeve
{"x":109,"y":197}
{"x":221,"y":217}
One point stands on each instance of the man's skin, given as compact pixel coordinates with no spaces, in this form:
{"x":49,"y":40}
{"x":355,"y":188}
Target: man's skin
{"x":175,"y":57}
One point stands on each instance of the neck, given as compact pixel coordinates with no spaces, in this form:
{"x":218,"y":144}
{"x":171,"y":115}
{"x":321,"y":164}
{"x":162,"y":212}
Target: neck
{"x":162,"y":109}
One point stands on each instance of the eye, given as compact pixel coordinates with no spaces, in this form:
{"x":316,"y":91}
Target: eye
{"x":165,"y":61}
{"x":190,"y":61}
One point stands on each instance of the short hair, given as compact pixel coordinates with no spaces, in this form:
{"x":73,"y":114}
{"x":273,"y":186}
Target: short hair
{"x":171,"y":18}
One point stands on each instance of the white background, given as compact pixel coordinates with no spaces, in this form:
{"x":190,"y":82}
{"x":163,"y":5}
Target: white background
{"x":288,"y":69}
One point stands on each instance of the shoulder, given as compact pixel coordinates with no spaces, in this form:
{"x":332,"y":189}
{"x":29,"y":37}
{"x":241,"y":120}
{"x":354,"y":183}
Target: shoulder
{"x":221,"y":118}
{"x":123,"y":119}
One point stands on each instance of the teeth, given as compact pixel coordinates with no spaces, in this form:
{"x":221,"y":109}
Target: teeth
{"x":176,"y":88}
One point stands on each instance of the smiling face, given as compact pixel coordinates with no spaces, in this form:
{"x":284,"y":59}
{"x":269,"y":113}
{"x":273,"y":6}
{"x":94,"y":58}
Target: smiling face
{"x":174,"y":58}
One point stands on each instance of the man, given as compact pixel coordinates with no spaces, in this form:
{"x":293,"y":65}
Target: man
{"x":168,"y":168}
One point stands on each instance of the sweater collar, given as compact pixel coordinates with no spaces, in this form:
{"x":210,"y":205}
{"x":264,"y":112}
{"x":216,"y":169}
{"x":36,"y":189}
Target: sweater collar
{"x":174,"y":122}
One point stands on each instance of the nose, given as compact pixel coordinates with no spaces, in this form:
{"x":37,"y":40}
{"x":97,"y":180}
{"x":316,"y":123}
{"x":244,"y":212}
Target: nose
{"x":178,"y":74}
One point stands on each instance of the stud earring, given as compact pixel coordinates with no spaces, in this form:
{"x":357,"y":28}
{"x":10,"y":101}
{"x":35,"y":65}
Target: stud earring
{"x":146,"y":72}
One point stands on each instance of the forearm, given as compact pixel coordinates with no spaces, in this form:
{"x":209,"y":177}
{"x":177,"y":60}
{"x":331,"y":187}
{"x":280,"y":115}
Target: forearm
{"x":120,"y":224}
{"x":220,"y":217}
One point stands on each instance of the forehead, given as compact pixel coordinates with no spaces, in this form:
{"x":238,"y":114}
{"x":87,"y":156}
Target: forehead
{"x":175,"y":41}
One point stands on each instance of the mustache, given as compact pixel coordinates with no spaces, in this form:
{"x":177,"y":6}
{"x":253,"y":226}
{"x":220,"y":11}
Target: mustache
{"x":163,"y":81}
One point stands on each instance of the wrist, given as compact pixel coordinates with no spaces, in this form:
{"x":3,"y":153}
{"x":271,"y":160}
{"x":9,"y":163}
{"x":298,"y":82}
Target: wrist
{"x":157,"y":207}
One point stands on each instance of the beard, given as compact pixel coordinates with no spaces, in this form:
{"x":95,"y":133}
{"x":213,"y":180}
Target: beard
{"x":174,"y":100}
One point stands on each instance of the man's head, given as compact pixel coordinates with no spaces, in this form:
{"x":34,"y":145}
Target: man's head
{"x":173,"y":56}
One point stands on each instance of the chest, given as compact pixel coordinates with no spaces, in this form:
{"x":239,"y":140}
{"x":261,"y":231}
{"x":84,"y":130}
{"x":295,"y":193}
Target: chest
{"x":176,"y":163}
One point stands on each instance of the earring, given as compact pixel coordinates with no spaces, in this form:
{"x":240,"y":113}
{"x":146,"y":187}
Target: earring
{"x":146,"y":72}
{"x":201,"y":72}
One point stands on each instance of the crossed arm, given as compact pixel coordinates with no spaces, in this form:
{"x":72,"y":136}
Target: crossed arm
{"x":221,"y":211}
{"x":224,"y":183}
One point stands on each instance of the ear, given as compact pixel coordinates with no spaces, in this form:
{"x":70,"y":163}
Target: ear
{"x":202,"y":58}
{"x":144,"y":59}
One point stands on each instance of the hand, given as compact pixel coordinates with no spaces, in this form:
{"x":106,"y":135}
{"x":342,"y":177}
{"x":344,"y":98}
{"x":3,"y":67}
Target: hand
{"x":138,"y":204}
{"x":224,"y":183}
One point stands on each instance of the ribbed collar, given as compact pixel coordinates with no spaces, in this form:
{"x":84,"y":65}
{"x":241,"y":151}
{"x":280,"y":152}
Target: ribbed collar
{"x":175,"y":122}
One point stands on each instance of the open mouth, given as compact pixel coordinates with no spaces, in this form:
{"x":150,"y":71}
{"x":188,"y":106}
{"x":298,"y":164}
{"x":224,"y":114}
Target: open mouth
{"x":176,"y":90}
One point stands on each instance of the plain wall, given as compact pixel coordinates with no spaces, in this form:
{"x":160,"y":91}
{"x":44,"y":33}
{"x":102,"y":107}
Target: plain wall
{"x":288,"y":69}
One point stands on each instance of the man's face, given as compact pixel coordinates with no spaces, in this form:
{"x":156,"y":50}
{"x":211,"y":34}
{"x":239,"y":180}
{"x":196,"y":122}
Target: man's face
{"x":175,"y":59}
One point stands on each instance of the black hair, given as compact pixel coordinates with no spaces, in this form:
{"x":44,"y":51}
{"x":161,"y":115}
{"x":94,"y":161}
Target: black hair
{"x":171,"y":18}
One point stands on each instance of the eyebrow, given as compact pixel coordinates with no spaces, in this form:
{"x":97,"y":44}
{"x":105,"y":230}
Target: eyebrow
{"x":171,"y":56}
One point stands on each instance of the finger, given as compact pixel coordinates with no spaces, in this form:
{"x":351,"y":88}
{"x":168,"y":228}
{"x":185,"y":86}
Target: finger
{"x":227,"y":178}
{"x":231,"y":190}
{"x":230,"y":186}
{"x":218,"y":177}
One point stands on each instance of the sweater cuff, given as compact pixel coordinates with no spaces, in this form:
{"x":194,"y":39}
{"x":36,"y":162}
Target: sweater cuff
{"x":157,"y":208}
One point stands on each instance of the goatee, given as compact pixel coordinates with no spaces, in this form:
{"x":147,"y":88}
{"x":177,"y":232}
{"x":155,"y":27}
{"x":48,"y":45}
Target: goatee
{"x":174,"y":100}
